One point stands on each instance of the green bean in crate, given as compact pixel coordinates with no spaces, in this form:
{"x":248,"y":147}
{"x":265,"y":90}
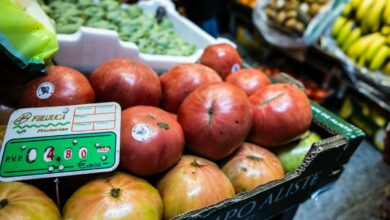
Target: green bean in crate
{"x":131,"y":23}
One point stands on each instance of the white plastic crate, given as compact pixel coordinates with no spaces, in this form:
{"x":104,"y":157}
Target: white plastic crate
{"x":89,"y":47}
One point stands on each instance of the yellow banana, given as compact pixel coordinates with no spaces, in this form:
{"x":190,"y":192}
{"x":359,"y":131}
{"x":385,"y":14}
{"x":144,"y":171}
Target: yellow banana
{"x":372,"y":19}
{"x":347,"y":10}
{"x":386,"y":69}
{"x":379,"y":58}
{"x":375,"y":46}
{"x":361,"y":62}
{"x":352,"y":37}
{"x":377,"y":42}
{"x":386,"y":13}
{"x":338,"y":24}
{"x":385,"y":30}
{"x":355,"y":4}
{"x":363,"y":9}
{"x":344,"y":32}
{"x":359,"y":46}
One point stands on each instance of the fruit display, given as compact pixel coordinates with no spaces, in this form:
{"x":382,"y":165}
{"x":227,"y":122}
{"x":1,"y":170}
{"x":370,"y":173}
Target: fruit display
{"x":313,"y":89}
{"x":183,"y":79}
{"x":367,"y":116}
{"x":216,"y":119}
{"x":151,"y":142}
{"x":23,"y":201}
{"x":226,"y":132}
{"x":151,"y":34}
{"x":293,"y":16}
{"x":127,"y":82}
{"x":252,"y":166}
{"x":114,"y":196}
{"x":61,"y":86}
{"x":192,"y":184}
{"x":362,"y":31}
{"x":249,"y":3}
{"x":222,"y":58}
{"x":291,"y":155}
{"x":281,"y":113}
{"x":250,"y":80}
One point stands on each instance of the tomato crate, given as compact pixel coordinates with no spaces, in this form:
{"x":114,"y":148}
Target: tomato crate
{"x":321,"y":166}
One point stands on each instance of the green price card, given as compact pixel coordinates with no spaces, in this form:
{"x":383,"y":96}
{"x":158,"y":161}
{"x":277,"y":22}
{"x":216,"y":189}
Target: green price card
{"x":61,"y":141}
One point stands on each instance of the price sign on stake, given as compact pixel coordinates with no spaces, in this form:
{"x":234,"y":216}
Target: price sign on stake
{"x":61,"y":141}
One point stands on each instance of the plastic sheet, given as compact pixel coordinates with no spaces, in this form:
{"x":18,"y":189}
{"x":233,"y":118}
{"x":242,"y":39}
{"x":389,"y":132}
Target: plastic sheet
{"x":26,"y":35}
{"x":313,"y":31}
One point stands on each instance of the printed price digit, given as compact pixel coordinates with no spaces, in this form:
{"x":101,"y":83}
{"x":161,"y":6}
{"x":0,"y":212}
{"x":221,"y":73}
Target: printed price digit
{"x":68,"y":154}
{"x":83,"y":152}
{"x":49,"y":154}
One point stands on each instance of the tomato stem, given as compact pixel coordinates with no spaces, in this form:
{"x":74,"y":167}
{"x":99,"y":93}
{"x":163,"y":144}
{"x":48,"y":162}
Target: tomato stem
{"x":211,"y":114}
{"x":253,"y":157}
{"x":268,"y":101}
{"x":115,"y":192}
{"x":3,"y":203}
{"x":196,"y":164}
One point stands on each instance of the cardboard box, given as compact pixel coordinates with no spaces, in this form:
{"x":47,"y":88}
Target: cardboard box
{"x":322,"y":166}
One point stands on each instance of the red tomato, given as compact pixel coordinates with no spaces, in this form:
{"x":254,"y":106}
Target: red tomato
{"x":216,"y":119}
{"x":60,"y":86}
{"x":252,"y":166}
{"x":174,"y":116}
{"x":281,"y":113}
{"x":114,"y":196}
{"x":223,"y":58}
{"x":127,"y":82}
{"x":194,"y":183}
{"x":151,"y":140}
{"x":181,"y":80}
{"x":249,"y":80}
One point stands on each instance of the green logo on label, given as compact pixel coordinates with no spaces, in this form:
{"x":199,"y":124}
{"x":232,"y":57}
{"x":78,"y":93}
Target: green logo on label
{"x":23,"y":118}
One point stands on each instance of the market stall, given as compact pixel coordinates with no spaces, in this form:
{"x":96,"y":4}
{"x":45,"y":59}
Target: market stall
{"x":132,"y":111}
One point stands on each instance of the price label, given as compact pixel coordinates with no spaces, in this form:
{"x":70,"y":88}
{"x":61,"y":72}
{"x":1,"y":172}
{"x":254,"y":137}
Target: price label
{"x":61,"y":141}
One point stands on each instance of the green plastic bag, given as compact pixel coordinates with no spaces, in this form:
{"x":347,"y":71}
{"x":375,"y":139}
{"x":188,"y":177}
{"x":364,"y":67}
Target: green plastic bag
{"x":27,"y":36}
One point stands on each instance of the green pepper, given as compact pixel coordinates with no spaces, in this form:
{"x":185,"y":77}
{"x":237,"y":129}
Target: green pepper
{"x":128,"y":29}
{"x":133,"y":11}
{"x":67,"y":28}
{"x":83,"y":4}
{"x":47,"y":10}
{"x":116,"y":16}
{"x":102,"y":24}
{"x":130,"y":22}
{"x":109,"y":5}
{"x":94,"y":11}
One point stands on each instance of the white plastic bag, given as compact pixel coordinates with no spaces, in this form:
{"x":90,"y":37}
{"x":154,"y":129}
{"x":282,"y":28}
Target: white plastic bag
{"x":313,"y":31}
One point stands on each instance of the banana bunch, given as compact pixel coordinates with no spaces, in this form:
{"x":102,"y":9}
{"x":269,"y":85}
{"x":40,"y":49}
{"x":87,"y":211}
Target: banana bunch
{"x":362,"y":31}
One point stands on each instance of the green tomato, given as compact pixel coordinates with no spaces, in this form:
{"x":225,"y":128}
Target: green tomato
{"x":291,"y":155}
